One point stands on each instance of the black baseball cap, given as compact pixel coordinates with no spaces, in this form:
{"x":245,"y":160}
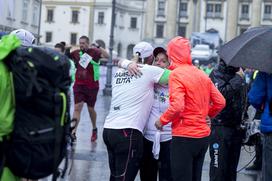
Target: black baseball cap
{"x":158,"y":50}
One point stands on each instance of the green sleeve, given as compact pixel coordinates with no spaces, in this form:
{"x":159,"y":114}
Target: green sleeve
{"x":8,"y":176}
{"x":7,"y":103}
{"x":165,"y":77}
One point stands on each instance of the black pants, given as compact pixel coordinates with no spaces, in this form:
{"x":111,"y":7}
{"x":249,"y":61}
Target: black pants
{"x":225,"y":147}
{"x":187,"y":157}
{"x":150,"y":166}
{"x":125,"y":150}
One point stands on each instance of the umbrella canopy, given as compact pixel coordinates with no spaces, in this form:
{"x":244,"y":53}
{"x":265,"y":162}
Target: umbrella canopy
{"x":252,"y":49}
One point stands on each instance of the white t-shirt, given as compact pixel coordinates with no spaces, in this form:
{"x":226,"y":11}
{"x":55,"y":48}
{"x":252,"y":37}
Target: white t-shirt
{"x":161,"y":103}
{"x":132,"y":98}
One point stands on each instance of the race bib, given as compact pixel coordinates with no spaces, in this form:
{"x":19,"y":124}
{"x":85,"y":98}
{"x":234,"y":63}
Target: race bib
{"x":85,"y":59}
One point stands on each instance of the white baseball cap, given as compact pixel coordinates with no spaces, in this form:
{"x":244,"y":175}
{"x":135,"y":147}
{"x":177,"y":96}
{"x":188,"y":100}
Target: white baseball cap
{"x":27,"y":38}
{"x":145,"y":49}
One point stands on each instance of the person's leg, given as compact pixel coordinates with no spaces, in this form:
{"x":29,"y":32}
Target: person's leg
{"x":149,"y":165}
{"x":164,"y":162}
{"x":181,"y":159}
{"x":201,"y":145}
{"x":108,"y":138}
{"x":91,"y":96}
{"x":129,"y":155}
{"x":78,"y":105}
{"x":76,"y":118}
{"x":219,"y":154}
{"x":234,"y":153}
{"x":92,"y":113}
{"x":267,"y":158}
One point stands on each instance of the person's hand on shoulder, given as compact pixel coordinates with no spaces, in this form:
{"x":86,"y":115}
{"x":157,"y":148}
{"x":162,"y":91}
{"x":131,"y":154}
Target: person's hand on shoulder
{"x":134,"y":69}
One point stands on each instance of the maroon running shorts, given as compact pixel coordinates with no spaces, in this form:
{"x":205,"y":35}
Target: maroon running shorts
{"x":85,"y":94}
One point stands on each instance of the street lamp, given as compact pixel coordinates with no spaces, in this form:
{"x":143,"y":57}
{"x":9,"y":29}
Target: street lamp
{"x":108,"y":87}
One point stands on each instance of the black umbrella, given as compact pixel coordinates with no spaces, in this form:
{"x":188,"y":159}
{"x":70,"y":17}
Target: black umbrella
{"x":252,"y":49}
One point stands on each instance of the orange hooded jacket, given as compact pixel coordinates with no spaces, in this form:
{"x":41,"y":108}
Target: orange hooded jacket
{"x":193,"y":96}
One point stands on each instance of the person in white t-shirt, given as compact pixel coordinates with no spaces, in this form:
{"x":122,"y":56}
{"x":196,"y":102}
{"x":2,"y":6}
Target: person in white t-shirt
{"x":132,"y":100}
{"x":156,"y":154}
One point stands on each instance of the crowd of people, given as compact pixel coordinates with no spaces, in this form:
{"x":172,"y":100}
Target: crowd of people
{"x":173,"y":112}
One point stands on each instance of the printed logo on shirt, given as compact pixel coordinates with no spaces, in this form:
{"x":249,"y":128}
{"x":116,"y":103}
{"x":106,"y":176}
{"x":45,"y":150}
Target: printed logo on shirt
{"x":215,"y":154}
{"x":160,"y":96}
{"x":123,"y":77}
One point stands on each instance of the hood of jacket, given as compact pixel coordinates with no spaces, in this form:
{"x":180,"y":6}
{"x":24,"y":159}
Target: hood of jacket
{"x":179,"y":52}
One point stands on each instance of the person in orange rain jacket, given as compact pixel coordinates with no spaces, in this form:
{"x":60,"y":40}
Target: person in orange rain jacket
{"x":193,"y":100}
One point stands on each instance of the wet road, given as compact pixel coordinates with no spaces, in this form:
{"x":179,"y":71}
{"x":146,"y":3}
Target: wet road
{"x":90,"y":159}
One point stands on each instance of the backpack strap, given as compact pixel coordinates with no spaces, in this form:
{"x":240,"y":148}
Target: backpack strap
{"x":61,"y":104}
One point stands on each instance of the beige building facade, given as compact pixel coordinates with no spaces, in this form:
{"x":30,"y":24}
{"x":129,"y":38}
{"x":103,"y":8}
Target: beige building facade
{"x":66,"y":20}
{"x":17,"y":14}
{"x":168,"y":18}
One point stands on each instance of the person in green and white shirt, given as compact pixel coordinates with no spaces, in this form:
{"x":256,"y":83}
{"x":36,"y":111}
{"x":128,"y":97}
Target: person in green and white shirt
{"x":156,"y":154}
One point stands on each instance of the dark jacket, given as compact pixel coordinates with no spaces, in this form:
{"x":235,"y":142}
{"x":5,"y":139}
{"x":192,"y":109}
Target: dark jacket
{"x":233,"y":87}
{"x":260,"y":95}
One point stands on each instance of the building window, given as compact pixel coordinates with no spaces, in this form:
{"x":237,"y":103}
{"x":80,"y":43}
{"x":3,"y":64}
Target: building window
{"x":73,"y":39}
{"x":133,"y":22}
{"x":50,"y":15}
{"x":35,"y":15}
{"x":48,"y":37}
{"x":244,"y":11}
{"x":217,"y":12}
{"x":25,"y":10}
{"x":100,"y":18}
{"x":267,"y":11}
{"x":159,"y":30}
{"x":183,"y":9}
{"x":213,"y":10}
{"x":182,"y":31}
{"x":161,"y":8}
{"x":75,"y":16}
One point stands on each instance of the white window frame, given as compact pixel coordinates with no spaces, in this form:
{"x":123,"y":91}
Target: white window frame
{"x":213,"y":11}
{"x":25,"y":10}
{"x":267,"y":16}
{"x":244,"y":16}
{"x":160,"y":9}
